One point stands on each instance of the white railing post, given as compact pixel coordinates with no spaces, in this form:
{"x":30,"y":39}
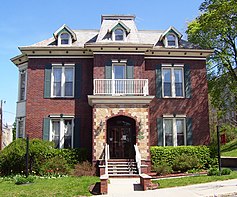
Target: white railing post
{"x":106,"y":158}
{"x":138,"y":158}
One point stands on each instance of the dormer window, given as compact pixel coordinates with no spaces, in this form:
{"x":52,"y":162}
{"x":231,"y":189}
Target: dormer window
{"x":171,"y":37}
{"x":118,"y":35}
{"x":171,"y":40}
{"x":64,"y":38}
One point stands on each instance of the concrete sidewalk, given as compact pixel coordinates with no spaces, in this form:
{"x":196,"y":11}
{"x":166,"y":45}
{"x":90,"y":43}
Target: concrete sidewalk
{"x":121,"y":187}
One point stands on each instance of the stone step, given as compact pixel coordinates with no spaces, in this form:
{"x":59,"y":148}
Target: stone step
{"x":124,"y":168}
{"x":122,"y":172}
{"x":121,"y":163}
{"x":123,"y":175}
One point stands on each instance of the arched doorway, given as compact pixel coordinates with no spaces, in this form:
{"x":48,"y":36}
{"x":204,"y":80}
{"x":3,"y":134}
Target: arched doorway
{"x":121,"y":137}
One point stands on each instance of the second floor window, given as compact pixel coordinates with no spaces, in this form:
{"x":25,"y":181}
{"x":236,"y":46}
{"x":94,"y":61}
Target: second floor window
{"x":62,"y":81}
{"x":172,"y":82}
{"x":22,"y":85}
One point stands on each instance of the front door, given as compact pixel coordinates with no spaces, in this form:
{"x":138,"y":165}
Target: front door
{"x":121,"y":137}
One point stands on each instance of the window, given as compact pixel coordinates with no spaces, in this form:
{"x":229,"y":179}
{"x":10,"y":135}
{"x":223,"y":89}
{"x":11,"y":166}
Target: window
{"x":172,"y":82}
{"x":61,"y":132}
{"x":22,"y":95}
{"x":174,"y":131}
{"x":65,"y":39}
{"x":20,"y":128}
{"x":118,"y":35}
{"x":171,"y":40}
{"x":62,"y":81}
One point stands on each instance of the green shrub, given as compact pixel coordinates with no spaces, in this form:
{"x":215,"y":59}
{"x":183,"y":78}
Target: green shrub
{"x":213,"y":172}
{"x":162,"y":169}
{"x":12,"y":158}
{"x":55,"y":166}
{"x":226,"y":171}
{"x":84,"y":169}
{"x":19,"y":179}
{"x":168,"y":154}
{"x":184,"y":162}
{"x":72,"y":156}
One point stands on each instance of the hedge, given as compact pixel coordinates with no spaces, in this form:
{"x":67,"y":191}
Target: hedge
{"x":166,"y":155}
{"x":12,"y":158}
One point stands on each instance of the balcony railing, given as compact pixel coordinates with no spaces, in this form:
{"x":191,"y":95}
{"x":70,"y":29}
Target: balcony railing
{"x":119,"y":87}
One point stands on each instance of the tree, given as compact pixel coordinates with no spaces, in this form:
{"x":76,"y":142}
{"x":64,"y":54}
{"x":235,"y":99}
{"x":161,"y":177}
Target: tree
{"x":216,"y":29}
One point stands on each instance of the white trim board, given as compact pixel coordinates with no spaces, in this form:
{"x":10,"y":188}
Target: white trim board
{"x":181,"y":58}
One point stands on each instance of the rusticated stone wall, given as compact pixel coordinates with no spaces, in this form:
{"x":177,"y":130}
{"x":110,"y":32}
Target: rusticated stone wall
{"x":101,"y":113}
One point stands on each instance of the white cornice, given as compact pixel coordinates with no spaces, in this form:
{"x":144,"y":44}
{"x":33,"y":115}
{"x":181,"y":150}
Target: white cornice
{"x":178,"y":58}
{"x":131,"y":100}
{"x":60,"y":56}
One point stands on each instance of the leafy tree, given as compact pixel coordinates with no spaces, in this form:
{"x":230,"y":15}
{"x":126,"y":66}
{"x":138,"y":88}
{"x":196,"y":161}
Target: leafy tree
{"x":216,"y":29}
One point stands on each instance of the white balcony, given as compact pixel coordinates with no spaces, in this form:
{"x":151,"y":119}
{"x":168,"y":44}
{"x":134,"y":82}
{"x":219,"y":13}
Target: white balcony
{"x":121,"y":87}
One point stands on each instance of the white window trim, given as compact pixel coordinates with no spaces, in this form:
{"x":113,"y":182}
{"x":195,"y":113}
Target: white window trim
{"x":166,"y":41}
{"x":69,"y":40}
{"x":17,"y":127}
{"x":170,"y":117}
{"x":169,"y":66}
{"x":61,"y":135}
{"x":63,"y":80}
{"x":124,"y":35}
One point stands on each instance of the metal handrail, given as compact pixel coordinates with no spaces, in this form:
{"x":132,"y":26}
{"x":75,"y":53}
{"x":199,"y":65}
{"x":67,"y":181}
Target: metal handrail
{"x":138,"y":158}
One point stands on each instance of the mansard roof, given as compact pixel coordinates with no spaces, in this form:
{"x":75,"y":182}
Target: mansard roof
{"x":104,"y":34}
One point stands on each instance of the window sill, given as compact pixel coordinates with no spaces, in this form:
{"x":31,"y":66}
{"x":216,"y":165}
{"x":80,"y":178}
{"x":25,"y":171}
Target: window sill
{"x":21,"y":101}
{"x":62,"y":97}
{"x":177,"y":97}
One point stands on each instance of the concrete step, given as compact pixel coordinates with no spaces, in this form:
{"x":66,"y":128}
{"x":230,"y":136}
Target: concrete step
{"x":124,"y":175}
{"x":122,"y":168}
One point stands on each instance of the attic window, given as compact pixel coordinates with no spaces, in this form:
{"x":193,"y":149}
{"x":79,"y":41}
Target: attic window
{"x":65,"y":38}
{"x":171,"y":40}
{"x":118,"y":35}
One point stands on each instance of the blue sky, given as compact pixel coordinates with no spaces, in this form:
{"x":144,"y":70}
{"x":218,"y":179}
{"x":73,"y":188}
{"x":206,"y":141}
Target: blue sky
{"x":27,"y":22}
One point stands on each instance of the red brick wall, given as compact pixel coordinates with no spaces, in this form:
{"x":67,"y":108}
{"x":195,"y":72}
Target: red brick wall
{"x":196,"y":107}
{"x":37,"y":107}
{"x":101,"y":60}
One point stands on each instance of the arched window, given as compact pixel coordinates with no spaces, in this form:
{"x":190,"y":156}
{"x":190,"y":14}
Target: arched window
{"x":171,"y":40}
{"x":64,"y":38}
{"x":119,"y":35}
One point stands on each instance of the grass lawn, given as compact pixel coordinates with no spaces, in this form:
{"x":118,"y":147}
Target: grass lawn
{"x":66,"y":186}
{"x":229,"y":149}
{"x":165,"y":183}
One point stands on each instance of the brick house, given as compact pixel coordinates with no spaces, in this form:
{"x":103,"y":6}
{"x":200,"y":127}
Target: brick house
{"x":115,"y":87}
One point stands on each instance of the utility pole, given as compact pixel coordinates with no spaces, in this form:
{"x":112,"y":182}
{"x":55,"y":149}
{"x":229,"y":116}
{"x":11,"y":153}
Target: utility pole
{"x":1,"y":126}
{"x":1,"y":123}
